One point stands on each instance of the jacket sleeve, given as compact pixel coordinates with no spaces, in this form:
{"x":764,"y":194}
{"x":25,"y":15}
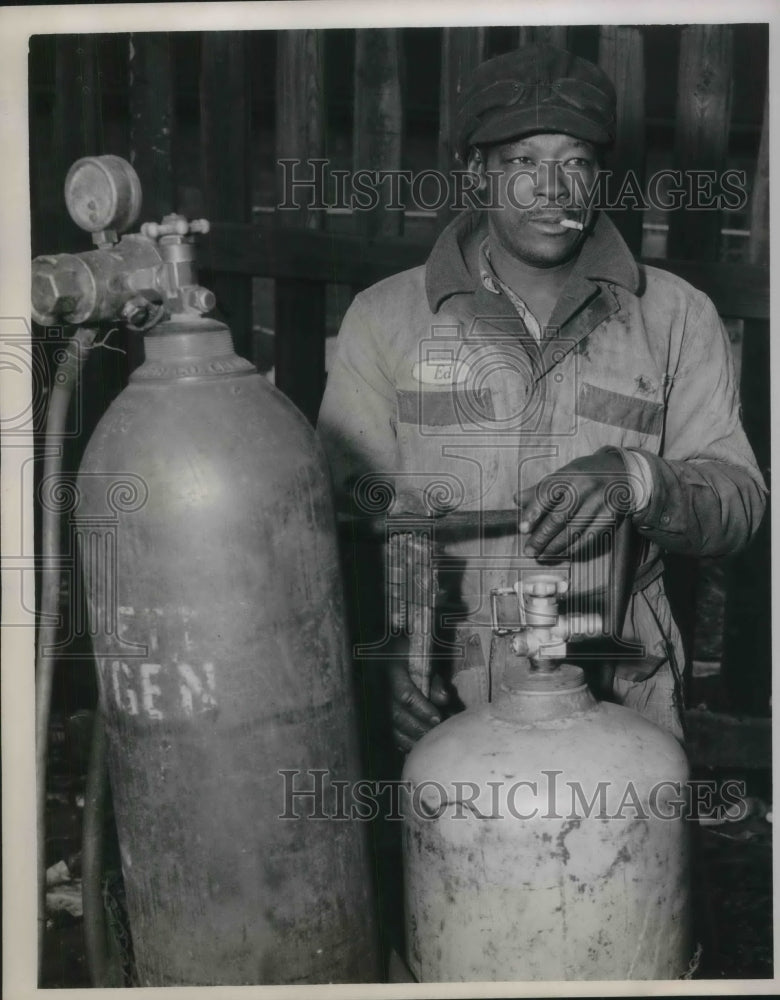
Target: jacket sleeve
{"x":356,"y":426}
{"x":357,"y":419}
{"x":708,"y":496}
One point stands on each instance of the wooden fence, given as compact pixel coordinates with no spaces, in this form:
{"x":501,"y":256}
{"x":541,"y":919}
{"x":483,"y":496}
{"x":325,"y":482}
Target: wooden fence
{"x":304,"y":253}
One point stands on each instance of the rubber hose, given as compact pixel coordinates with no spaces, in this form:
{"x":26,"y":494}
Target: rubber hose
{"x":92,"y":858}
{"x":65,"y":379}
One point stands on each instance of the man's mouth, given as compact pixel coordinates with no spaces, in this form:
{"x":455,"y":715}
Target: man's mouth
{"x":555,"y":223}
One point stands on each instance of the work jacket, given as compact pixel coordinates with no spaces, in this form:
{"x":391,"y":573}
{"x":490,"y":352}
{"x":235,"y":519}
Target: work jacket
{"x":439,"y":387}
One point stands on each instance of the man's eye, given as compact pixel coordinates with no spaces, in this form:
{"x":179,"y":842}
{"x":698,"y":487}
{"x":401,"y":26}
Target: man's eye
{"x":524,"y":161}
{"x":578,"y":161}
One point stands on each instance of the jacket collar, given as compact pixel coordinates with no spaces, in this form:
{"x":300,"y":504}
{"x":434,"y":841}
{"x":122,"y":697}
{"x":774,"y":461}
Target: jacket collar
{"x":453,"y":265}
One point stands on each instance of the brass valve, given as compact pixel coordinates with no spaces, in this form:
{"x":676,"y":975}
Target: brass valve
{"x":529,"y":611}
{"x":174,"y":225}
{"x":138,"y":279}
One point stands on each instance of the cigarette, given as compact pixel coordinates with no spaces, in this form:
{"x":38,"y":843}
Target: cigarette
{"x":571,"y":224}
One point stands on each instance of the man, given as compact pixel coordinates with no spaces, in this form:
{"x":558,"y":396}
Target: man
{"x":531,"y":361}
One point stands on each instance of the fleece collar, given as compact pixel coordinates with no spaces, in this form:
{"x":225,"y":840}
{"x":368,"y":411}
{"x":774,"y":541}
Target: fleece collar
{"x":453,"y":265}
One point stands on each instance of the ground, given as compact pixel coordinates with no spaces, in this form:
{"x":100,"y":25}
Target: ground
{"x":731,"y":863}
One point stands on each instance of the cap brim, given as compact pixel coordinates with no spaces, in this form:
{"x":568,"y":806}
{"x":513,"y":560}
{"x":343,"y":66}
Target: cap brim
{"x":514,"y":124}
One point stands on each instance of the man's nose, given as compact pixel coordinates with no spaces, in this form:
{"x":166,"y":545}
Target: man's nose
{"x":552,"y":184}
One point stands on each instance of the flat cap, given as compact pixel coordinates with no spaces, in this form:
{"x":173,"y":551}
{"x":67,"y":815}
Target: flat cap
{"x":538,"y":88}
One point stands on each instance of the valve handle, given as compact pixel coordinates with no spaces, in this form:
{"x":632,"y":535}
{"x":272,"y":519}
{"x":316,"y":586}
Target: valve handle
{"x":174,"y":225}
{"x":547,"y":582}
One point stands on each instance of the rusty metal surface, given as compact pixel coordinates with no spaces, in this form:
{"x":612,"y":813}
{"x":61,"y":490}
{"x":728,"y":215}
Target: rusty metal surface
{"x":498,"y":891}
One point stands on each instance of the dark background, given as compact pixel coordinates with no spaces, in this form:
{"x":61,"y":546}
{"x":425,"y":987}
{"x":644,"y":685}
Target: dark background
{"x":81,"y":103}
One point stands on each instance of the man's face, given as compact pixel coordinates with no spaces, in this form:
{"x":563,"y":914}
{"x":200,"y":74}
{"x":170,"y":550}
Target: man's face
{"x":539,"y":181}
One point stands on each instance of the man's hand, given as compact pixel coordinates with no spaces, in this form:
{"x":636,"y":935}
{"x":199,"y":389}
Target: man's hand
{"x":595,"y":490}
{"x":413,"y":714}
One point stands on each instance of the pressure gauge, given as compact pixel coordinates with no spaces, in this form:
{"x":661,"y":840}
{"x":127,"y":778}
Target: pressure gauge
{"x":103,"y":193}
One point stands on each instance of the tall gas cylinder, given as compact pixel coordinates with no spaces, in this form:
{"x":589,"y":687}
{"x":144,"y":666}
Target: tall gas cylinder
{"x":545,"y":840}
{"x":215,"y":599}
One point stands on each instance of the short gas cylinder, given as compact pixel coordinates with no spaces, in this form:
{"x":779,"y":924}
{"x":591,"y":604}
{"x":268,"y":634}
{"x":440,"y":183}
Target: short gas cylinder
{"x":545,"y":839}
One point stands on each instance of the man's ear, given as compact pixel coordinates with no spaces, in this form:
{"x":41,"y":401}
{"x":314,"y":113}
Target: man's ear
{"x":475,"y":162}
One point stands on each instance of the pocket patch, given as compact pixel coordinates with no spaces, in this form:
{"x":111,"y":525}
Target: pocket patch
{"x":607,"y":407}
{"x":445,"y":407}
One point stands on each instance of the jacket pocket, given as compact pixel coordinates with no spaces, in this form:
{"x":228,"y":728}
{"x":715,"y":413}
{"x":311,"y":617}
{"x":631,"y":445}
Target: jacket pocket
{"x":644,"y":416}
{"x":464,"y":408}
{"x":447,"y":435}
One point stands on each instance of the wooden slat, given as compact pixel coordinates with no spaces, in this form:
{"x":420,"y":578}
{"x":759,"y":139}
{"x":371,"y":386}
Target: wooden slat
{"x":553,"y":34}
{"x":76,"y":131}
{"x":150,"y":99}
{"x":378,"y":122}
{"x":77,"y":122}
{"x":300,"y":303}
{"x":755,"y":388}
{"x":225,"y":112}
{"x":150,"y":95}
{"x":747,"y":640}
{"x":622,"y":57}
{"x":702,"y":130}
{"x":310,"y":256}
{"x":701,"y":140}
{"x":378,"y":119}
{"x":736,"y":289}
{"x":717,"y":740}
{"x":758,"y":247}
{"x":300,"y":114}
{"x":463,"y":49}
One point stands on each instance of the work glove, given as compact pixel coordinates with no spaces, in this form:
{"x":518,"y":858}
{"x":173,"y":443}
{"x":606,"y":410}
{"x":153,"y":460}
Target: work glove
{"x":594,"y":491}
{"x":412,"y":713}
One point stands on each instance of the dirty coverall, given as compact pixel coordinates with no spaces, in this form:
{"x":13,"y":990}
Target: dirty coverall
{"x":438,"y":382}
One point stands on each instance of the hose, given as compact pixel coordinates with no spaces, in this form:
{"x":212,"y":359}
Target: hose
{"x":92,"y":858}
{"x":65,"y":379}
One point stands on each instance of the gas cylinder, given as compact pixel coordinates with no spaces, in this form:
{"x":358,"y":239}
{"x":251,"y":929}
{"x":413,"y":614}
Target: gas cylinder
{"x":203,"y":517}
{"x":215,"y":598}
{"x":545,"y":839}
